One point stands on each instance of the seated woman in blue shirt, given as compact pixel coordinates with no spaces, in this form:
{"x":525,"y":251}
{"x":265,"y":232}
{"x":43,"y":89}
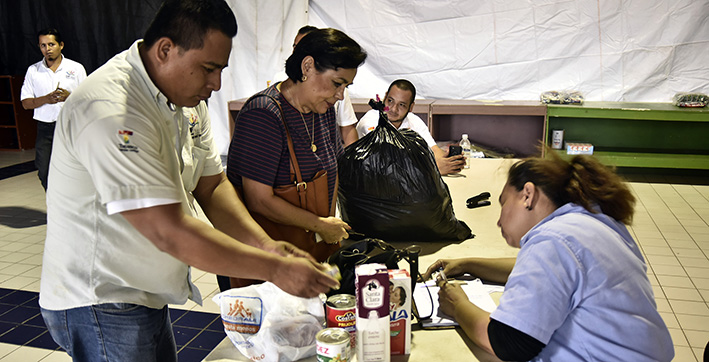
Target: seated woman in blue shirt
{"x":578,"y":288}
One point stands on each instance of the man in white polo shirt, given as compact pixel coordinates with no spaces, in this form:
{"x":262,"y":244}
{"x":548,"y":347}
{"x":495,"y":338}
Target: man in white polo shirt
{"x":46,"y":86}
{"x":133,"y":150}
{"x":399,"y":101}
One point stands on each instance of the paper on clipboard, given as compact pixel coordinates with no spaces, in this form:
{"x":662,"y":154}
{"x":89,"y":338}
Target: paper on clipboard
{"x":477,"y":292}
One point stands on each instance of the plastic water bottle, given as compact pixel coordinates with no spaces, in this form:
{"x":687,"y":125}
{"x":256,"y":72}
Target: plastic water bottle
{"x":465,"y":145}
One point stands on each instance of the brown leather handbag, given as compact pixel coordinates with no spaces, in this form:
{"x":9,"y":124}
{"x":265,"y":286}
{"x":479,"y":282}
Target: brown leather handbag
{"x":311,"y":196}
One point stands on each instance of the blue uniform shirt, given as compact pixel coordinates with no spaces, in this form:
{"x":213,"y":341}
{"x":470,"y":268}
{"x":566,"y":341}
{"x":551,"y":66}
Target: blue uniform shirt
{"x":580,"y":286}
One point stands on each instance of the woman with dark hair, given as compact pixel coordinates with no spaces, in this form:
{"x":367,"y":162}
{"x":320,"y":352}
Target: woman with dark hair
{"x":397,"y":296}
{"x":578,"y":288}
{"x":323,"y":63}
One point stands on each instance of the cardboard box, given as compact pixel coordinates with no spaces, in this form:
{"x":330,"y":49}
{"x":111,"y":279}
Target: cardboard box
{"x":372,"y":316}
{"x":579,"y":148}
{"x":400,"y":311}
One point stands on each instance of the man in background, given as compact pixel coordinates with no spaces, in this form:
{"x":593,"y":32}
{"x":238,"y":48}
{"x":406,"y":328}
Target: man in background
{"x":399,"y":101}
{"x":133,"y":150}
{"x":47,"y":85}
{"x":344,"y":113}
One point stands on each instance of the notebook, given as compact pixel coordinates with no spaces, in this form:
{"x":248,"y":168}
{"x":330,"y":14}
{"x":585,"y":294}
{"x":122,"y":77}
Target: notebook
{"x":426,"y":299}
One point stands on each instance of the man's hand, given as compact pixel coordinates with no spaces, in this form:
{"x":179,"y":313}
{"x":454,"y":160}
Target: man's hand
{"x":56,"y":96}
{"x":284,"y":248}
{"x":60,"y":94}
{"x":303,"y":278}
{"x":450,"y":165}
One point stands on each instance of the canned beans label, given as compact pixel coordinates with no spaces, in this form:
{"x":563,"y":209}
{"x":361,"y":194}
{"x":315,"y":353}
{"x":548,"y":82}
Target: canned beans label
{"x":341,"y":311}
{"x":340,"y":318}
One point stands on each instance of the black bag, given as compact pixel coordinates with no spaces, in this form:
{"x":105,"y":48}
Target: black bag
{"x":367,"y":251}
{"x":390,"y":188}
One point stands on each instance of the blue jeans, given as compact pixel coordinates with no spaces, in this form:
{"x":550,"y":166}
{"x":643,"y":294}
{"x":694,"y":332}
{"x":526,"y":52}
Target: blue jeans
{"x":113,"y":332}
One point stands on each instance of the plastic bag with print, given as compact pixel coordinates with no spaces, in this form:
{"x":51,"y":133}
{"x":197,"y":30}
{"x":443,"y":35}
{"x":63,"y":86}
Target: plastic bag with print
{"x":268,"y":324}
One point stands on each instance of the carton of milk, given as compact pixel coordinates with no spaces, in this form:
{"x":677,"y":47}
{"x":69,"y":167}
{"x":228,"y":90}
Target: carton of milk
{"x":400,"y":311}
{"x":372,"y":314}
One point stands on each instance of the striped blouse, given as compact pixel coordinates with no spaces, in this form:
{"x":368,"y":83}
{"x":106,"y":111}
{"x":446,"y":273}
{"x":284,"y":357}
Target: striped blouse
{"x":259,"y":147}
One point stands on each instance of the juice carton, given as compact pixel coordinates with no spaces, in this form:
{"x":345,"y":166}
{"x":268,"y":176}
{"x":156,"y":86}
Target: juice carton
{"x":400,"y":311}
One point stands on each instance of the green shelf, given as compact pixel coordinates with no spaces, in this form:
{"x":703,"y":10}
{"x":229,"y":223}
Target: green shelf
{"x":636,"y":111}
{"x":653,"y":160}
{"x":651,"y":135}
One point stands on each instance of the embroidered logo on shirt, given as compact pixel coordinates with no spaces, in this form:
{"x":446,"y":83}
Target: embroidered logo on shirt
{"x":70,"y":74}
{"x":125,"y":137}
{"x":194,"y":121}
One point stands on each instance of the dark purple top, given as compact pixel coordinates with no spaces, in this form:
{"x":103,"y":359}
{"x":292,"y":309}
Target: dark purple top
{"x":259,"y":147}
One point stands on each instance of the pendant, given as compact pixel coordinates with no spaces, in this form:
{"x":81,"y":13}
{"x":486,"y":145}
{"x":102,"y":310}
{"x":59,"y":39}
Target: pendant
{"x":313,"y":147}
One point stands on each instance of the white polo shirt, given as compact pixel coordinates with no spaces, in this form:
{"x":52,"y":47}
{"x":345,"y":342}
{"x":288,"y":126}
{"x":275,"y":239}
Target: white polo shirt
{"x":40,"y":80}
{"x":117,"y":139}
{"x":370,"y":120}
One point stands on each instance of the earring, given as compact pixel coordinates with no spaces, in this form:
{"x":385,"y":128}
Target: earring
{"x":304,"y":78}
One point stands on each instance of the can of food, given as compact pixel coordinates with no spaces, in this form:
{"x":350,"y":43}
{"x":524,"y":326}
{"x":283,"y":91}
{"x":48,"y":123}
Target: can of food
{"x":333,"y":271}
{"x":333,"y":345}
{"x":557,"y":139}
{"x":341,"y":314}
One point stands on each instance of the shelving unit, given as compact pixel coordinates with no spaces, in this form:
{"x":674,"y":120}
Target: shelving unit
{"x":17,"y":128}
{"x":422,"y":108}
{"x":657,"y":135}
{"x":516,"y":127}
{"x":513,"y":127}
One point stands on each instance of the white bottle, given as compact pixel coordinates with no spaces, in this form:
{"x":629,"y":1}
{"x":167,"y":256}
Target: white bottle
{"x":373,"y":338}
{"x":465,"y":145}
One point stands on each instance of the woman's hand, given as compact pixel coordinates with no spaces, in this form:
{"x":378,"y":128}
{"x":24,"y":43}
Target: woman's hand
{"x":332,"y":230}
{"x":451,"y":267}
{"x":449,"y":296}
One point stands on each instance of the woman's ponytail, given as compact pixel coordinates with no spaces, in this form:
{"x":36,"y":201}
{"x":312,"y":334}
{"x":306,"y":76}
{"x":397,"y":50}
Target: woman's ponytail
{"x":583,"y":180}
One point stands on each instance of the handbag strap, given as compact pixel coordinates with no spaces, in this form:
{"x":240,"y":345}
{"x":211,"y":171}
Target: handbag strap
{"x":300,"y":186}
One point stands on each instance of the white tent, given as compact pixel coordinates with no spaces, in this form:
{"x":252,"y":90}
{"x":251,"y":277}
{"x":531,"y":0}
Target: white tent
{"x":627,"y":50}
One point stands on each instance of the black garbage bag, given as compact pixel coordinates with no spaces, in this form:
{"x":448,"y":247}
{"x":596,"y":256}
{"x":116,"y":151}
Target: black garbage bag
{"x":391,"y":189}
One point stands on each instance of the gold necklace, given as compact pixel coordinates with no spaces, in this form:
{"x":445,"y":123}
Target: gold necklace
{"x":313,"y":147}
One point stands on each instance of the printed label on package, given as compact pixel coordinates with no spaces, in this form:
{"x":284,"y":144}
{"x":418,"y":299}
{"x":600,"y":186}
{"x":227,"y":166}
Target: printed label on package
{"x":242,"y":314}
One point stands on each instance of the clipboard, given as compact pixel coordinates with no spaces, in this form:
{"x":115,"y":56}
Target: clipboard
{"x":426,"y":300}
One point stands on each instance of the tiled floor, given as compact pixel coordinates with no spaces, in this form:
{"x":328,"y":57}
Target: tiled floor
{"x":23,"y":336}
{"x":671,"y":225}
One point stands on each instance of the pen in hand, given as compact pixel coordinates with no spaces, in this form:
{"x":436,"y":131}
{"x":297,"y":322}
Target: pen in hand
{"x":442,"y":279}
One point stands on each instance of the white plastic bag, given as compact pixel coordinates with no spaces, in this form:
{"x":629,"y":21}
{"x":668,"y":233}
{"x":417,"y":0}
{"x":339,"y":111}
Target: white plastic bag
{"x":268,"y":324}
